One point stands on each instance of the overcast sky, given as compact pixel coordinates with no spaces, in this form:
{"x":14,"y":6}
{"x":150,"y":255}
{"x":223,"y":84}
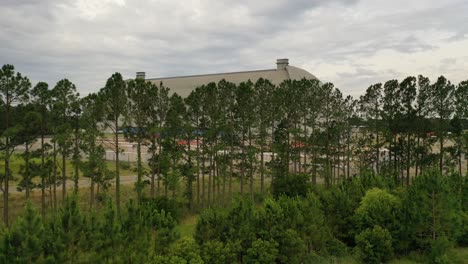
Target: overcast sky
{"x":351,"y":43}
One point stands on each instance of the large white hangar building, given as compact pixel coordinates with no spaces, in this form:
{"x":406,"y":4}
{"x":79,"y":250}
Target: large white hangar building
{"x":183,"y":85}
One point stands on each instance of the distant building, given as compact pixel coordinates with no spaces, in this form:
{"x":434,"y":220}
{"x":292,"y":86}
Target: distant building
{"x":183,"y":85}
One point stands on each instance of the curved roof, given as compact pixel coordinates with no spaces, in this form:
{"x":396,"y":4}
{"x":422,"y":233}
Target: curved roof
{"x":183,"y":85}
{"x":296,"y":73}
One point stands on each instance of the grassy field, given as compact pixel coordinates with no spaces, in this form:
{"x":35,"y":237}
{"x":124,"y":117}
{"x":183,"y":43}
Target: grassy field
{"x":16,"y":162}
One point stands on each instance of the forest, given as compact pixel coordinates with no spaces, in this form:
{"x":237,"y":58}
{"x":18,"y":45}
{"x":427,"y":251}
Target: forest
{"x":234,"y":173}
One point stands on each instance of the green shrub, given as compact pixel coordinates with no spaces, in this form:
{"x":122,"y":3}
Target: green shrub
{"x":432,"y":210}
{"x":374,"y":245}
{"x":440,"y":252}
{"x":124,"y":165}
{"x":379,"y":207}
{"x":163,"y":203}
{"x":186,"y":249}
{"x":262,"y":252}
{"x":293,"y":185}
{"x":216,"y":252}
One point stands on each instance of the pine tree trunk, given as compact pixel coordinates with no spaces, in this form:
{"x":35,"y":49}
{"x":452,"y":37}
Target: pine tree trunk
{"x":76,"y":158}
{"x":251,"y":167}
{"x":91,"y":197}
{"x":26,"y":169}
{"x":441,"y":165}
{"x":313,"y":158}
{"x":190,"y":177}
{"x":210,"y":167}
{"x":288,"y":152}
{"x":305,"y":145}
{"x":231,"y":168}
{"x":224,"y":175}
{"x":153,"y":168}
{"x":243,"y":160}
{"x":395,"y":171}
{"x":7,"y":165}
{"x":377,"y":151}
{"x":262,"y":173}
{"x":433,"y":216}
{"x":158,"y":176}
{"x":348,"y":154}
{"x":459,"y":160}
{"x":272,"y":140}
{"x":55,"y":175}
{"x":64,"y":177}
{"x":117,"y":167}
{"x":408,"y":159}
{"x":417,"y":158}
{"x":43,"y":202}
{"x":139,"y":169}
{"x":198,"y":169}
{"x":218,"y":180}
{"x":203,"y":177}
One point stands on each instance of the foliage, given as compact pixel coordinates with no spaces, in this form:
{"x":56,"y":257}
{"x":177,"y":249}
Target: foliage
{"x":22,"y":243}
{"x":374,"y":245}
{"x":379,"y":208}
{"x":262,"y":252}
{"x":432,"y":211}
{"x":293,"y":185}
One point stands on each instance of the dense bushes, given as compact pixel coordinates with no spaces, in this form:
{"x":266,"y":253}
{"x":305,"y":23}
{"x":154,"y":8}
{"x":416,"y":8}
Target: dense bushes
{"x":287,"y":229}
{"x":367,"y":216}
{"x":140,"y":234}
{"x":292,"y":186}
{"x":374,"y":245}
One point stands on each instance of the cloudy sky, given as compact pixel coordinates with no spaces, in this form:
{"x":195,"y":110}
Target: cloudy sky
{"x":351,"y":43}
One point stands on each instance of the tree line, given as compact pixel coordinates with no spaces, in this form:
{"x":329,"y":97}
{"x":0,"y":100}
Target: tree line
{"x":225,"y":135}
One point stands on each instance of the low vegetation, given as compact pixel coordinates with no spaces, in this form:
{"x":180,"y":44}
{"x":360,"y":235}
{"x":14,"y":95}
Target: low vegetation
{"x":380,"y":224}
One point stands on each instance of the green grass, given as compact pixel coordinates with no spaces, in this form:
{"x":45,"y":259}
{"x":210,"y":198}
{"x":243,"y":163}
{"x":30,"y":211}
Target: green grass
{"x":16,"y":161}
{"x":459,"y":254}
{"x":187,"y":225}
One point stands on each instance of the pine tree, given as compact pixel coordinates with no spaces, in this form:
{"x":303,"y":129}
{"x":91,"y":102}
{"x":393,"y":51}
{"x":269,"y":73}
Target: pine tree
{"x":228,"y":134}
{"x":245,"y":115}
{"x":115,"y":109}
{"x":41,"y":96}
{"x":153,"y":134}
{"x":95,"y":166}
{"x":370,"y":106}
{"x":391,"y":106}
{"x":64,"y":100}
{"x":138,"y":92}
{"x":442,"y":101}
{"x":408,"y":115}
{"x":174,"y":132}
{"x":13,"y":89}
{"x":28,"y":124}
{"x":422,"y":110}
{"x":72,"y":227}
{"x":23,"y":242}
{"x":193,"y":103}
{"x":263,"y":91}
{"x":431,"y":210}
{"x":461,"y":114}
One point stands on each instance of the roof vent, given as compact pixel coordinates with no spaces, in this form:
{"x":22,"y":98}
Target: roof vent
{"x":281,"y":64}
{"x":140,"y":75}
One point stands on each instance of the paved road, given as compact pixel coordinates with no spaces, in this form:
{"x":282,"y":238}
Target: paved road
{"x":82,"y":183}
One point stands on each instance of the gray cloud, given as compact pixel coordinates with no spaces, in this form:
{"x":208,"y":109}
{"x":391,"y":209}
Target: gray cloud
{"x":344,"y":41}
